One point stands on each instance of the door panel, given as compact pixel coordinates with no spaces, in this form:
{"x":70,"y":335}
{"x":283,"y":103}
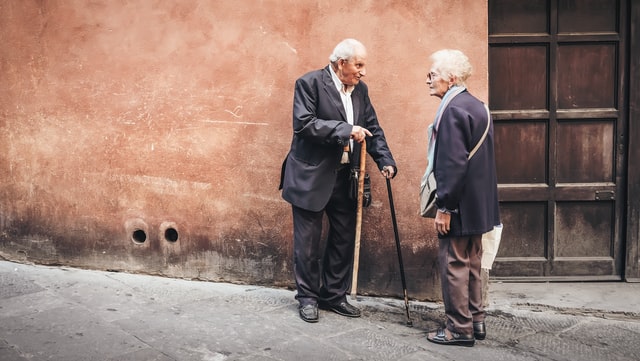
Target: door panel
{"x":506,"y":63}
{"x":503,"y":21}
{"x":585,"y":151}
{"x":558,"y":107}
{"x":531,"y":220}
{"x":587,"y":16}
{"x":587,"y":76}
{"x":521,"y":152}
{"x":586,"y":236}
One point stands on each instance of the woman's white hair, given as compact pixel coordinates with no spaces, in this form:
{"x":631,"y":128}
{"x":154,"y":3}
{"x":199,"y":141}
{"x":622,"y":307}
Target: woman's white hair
{"x":452,"y":63}
{"x":347,"y":49}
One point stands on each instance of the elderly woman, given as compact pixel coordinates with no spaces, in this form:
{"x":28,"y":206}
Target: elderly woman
{"x":467,"y":196}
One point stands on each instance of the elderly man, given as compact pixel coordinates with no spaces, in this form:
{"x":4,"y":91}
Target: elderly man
{"x":332,"y":116}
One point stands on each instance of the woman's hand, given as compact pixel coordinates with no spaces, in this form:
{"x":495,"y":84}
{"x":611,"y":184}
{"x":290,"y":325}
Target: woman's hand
{"x":443,"y":222}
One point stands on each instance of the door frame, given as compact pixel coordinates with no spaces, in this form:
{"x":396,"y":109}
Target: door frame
{"x":632,"y":264}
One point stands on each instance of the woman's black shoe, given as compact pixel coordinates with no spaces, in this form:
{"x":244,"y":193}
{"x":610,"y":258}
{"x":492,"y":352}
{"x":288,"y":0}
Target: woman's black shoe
{"x":479,"y":330}
{"x":456,"y":339}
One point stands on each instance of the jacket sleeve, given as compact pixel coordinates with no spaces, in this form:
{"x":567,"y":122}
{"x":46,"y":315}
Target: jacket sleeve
{"x":377,"y":145}
{"x":307,"y":124}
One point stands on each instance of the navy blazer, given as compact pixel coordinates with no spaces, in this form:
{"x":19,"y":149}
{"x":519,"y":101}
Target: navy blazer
{"x":320,"y":132}
{"x":470,"y":186}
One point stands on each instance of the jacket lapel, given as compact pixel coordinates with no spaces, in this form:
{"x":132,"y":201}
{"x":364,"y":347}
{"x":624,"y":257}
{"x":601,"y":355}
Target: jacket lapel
{"x":332,"y":92}
{"x":355,"y":100}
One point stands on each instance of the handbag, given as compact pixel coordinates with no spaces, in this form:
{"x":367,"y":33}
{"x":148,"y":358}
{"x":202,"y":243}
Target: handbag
{"x":353,"y":188}
{"x":490,"y":245}
{"x":428,"y":195}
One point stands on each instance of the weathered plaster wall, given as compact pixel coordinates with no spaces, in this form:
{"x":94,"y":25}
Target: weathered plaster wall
{"x":147,"y":136}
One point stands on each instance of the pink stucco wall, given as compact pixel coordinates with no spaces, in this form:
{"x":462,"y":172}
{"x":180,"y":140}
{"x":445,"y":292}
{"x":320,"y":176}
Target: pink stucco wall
{"x":171,"y":118}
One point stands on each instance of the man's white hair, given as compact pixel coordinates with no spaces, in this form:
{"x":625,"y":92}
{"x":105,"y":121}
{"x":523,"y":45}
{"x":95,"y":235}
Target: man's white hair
{"x":347,"y":49}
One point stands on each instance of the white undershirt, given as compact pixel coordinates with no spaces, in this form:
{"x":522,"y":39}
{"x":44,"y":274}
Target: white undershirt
{"x":345,"y":94}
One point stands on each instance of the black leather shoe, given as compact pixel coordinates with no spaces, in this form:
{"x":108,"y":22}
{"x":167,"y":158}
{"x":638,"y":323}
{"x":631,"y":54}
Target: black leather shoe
{"x":343,"y":308}
{"x":479,"y":330}
{"x":455,"y":339}
{"x":308,"y":312}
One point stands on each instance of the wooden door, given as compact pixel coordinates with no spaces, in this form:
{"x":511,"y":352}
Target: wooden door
{"x":556,"y":90}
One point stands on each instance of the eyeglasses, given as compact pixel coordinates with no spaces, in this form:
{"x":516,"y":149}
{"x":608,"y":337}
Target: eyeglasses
{"x":432,"y":75}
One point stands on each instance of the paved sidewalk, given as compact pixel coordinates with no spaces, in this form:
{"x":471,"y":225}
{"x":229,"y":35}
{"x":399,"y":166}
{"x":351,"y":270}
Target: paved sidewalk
{"x":66,"y":314}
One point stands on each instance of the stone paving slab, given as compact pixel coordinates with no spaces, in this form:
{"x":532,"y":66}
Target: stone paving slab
{"x":57,"y":313}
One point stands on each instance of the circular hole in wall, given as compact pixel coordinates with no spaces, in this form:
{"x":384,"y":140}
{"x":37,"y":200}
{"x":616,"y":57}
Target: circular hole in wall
{"x":136,"y":230}
{"x":171,"y":234}
{"x":139,"y":236}
{"x":169,"y":230}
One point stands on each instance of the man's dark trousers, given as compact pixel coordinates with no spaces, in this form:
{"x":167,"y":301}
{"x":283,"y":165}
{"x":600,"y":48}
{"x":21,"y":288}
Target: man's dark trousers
{"x":338,"y":262}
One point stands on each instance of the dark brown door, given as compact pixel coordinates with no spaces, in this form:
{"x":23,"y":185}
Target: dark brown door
{"x":557,"y":98}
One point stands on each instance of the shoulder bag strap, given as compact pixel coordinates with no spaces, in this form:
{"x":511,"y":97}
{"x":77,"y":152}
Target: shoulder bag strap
{"x":475,"y":149}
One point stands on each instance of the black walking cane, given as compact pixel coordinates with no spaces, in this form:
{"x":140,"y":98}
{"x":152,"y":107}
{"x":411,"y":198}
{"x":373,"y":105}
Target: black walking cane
{"x":395,"y":232}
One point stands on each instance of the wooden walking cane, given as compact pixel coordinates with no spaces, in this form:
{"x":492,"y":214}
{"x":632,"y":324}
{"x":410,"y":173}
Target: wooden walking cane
{"x":356,"y":254}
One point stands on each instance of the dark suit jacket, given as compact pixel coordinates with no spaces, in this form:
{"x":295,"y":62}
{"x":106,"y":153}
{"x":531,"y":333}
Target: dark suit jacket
{"x":467,"y":185}
{"x":320,"y":132}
